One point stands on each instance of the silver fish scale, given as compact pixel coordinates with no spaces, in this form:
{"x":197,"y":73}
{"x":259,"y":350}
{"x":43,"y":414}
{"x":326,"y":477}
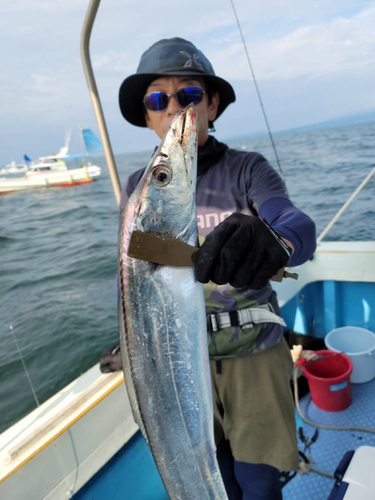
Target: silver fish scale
{"x":172,"y":381}
{"x":164,"y":341}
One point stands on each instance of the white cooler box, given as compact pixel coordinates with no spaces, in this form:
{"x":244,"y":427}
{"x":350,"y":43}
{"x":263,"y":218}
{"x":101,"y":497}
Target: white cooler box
{"x":355,"y":476}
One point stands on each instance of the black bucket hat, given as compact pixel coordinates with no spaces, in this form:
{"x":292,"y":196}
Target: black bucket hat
{"x":169,"y":57}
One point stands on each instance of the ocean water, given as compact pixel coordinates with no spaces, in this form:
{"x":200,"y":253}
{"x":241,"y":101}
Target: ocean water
{"x":58,"y":255}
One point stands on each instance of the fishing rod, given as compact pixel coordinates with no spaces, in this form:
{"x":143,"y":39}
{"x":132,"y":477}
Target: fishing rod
{"x":24,"y":367}
{"x":257,"y":88}
{"x":359,"y":188}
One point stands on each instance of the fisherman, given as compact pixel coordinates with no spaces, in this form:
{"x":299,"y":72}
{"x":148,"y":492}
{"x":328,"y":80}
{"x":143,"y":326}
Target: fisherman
{"x":249,"y":229}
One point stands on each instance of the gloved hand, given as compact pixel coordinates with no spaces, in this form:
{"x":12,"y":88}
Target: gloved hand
{"x":242,"y":251}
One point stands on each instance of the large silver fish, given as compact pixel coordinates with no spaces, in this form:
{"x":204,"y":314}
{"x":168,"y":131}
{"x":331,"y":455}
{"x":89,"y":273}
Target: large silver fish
{"x":163,"y":324}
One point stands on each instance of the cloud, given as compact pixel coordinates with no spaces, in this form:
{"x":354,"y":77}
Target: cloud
{"x":42,"y":80}
{"x":320,"y":50}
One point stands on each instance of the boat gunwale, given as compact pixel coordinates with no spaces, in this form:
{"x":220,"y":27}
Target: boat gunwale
{"x":84,"y":402}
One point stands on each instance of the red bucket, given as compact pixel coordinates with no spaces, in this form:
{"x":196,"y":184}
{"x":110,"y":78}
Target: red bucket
{"x":329,"y":380}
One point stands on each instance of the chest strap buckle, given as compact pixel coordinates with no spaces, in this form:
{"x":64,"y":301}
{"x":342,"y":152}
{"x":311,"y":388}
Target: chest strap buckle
{"x":244,"y":317}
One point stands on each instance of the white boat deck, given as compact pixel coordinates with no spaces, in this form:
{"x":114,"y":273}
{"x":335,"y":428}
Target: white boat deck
{"x":70,"y":437}
{"x":332,"y":261}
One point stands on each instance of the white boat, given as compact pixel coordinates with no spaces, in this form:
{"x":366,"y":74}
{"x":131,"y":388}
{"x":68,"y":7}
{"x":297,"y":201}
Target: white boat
{"x":51,"y":171}
{"x":13,"y":168}
{"x":51,"y":176}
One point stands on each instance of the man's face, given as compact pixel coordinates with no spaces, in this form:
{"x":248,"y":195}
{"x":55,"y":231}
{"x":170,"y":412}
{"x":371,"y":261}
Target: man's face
{"x":159,"y":120}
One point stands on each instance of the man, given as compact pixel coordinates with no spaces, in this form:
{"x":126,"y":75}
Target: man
{"x":239,"y":197}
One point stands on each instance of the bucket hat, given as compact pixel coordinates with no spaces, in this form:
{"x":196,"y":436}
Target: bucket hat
{"x":169,"y":57}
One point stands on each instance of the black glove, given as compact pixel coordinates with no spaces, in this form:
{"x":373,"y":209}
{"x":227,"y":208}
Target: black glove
{"x":242,"y":251}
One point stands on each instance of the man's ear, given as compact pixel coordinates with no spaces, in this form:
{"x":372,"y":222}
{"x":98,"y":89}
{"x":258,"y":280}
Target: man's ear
{"x":212,"y":108}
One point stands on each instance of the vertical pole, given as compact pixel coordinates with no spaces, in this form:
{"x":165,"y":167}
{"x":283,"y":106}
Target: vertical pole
{"x":85,"y":55}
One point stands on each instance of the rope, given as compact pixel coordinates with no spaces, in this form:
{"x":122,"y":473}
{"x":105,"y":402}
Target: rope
{"x":322,"y":426}
{"x":305,"y":468}
{"x":256,"y":87}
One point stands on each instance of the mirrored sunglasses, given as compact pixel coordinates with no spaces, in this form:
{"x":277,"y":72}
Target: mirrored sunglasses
{"x":158,"y":101}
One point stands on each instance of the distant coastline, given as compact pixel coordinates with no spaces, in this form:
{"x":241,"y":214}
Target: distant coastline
{"x":335,"y":122}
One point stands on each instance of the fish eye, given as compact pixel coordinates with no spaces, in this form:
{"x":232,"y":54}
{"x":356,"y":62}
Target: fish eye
{"x":161,"y":176}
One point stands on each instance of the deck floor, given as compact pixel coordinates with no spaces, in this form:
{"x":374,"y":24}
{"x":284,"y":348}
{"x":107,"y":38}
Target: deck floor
{"x":331,"y":445}
{"x":131,"y":473}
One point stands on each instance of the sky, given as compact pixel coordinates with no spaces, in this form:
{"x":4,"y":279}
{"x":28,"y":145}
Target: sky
{"x":313,"y":61}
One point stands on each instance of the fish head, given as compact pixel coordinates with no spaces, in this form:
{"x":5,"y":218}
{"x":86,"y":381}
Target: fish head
{"x":165,"y":195}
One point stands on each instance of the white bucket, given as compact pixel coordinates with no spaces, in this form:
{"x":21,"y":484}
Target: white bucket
{"x":359,"y":345}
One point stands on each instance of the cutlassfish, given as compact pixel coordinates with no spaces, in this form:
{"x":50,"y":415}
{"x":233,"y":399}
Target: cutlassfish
{"x":162,"y":323}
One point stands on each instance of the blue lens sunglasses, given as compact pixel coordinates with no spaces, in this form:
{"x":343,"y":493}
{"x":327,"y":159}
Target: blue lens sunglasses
{"x":158,"y":101}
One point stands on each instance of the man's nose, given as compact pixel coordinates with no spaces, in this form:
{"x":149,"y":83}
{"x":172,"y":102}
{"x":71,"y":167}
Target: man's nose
{"x":173,"y":106}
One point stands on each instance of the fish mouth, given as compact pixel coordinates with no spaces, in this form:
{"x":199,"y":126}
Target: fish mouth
{"x":182,"y":131}
{"x":188,"y":126}
{"x":182,"y":128}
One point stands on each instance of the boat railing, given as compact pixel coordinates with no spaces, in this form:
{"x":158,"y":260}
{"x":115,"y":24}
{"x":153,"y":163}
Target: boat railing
{"x":345,"y":205}
{"x":94,"y":94}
